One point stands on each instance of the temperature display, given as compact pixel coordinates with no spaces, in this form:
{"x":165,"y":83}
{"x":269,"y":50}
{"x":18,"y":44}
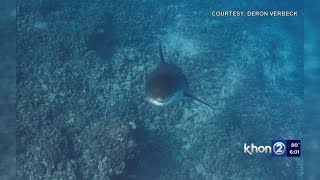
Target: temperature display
{"x":293,"y":148}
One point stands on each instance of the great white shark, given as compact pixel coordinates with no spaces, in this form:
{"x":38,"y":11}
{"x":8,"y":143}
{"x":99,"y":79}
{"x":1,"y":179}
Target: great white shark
{"x":167,"y":84}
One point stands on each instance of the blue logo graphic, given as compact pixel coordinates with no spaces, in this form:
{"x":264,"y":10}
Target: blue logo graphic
{"x":279,"y":148}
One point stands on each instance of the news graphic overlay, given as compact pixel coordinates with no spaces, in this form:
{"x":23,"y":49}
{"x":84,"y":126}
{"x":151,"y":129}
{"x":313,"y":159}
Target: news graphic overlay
{"x":286,"y":148}
{"x":293,"y":148}
{"x":279,"y":148}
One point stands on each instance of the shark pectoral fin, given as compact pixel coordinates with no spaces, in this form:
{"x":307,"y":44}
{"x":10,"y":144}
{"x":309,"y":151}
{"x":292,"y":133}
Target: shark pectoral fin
{"x":199,"y":100}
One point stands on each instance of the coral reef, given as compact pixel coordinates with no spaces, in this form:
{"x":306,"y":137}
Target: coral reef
{"x":81,"y":112}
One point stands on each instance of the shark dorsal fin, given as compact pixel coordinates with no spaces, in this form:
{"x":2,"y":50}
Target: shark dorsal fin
{"x":199,"y":100}
{"x":161,"y":55}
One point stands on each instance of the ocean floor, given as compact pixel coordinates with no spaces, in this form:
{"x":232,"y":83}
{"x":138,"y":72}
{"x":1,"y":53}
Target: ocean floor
{"x":81,"y":108}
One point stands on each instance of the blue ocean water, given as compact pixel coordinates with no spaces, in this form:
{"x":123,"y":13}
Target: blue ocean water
{"x":311,"y":69}
{"x":7,"y":90}
{"x":81,"y":72}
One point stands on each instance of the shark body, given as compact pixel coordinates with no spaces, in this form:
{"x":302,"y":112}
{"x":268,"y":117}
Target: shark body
{"x":167,"y":84}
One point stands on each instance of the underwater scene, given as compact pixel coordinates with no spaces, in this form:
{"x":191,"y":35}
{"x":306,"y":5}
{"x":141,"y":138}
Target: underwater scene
{"x":7,"y":90}
{"x":157,"y":90}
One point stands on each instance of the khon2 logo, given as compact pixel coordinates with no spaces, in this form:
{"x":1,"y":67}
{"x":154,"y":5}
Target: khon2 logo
{"x":279,"y":148}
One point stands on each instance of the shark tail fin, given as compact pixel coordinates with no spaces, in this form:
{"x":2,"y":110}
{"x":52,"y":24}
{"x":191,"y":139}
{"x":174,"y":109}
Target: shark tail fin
{"x":199,"y":100}
{"x":161,"y":54}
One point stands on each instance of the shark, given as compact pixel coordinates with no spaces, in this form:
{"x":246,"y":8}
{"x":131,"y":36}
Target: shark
{"x":167,"y":85}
